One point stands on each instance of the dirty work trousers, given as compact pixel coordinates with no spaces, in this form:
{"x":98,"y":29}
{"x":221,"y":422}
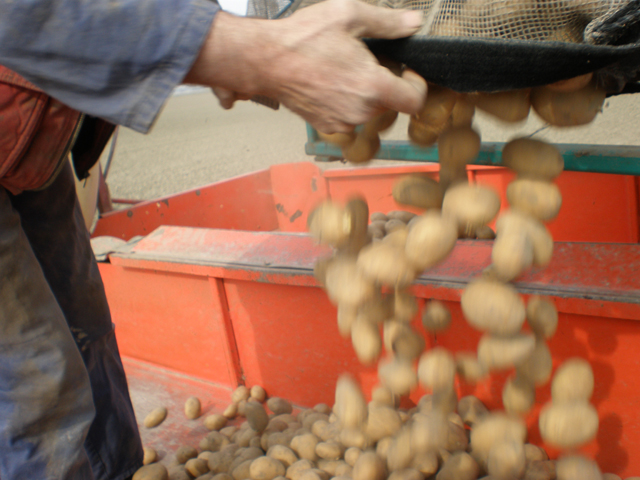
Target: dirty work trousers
{"x":65,"y":411}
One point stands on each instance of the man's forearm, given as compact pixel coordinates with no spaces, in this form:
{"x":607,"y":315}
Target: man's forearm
{"x":313,"y":62}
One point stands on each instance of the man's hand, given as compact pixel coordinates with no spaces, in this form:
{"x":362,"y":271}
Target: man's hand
{"x":313,"y":62}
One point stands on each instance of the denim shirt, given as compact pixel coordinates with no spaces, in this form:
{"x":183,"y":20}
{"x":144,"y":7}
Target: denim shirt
{"x":114,"y":59}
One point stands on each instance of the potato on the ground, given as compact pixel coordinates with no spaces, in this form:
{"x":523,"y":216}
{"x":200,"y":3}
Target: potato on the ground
{"x":192,"y":408}
{"x":215,"y":441}
{"x":283,"y":454}
{"x":394,"y":224}
{"x":215,"y":421}
{"x":378,"y":216}
{"x":369,"y":467}
{"x":231,"y":411}
{"x":266,"y":468}
{"x":329,"y":450}
{"x":150,"y":456}
{"x":298,"y":468}
{"x":154,"y":471}
{"x":196,"y":467}
{"x":155,"y":417}
{"x":406,"y":474}
{"x":185,"y":453}
{"x":402,"y":215}
{"x":242,"y":470}
{"x":279,"y":405}
{"x":459,"y":466}
{"x":304,"y":446}
{"x":240,"y":393}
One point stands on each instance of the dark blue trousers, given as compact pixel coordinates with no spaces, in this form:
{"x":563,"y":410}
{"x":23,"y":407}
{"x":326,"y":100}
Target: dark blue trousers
{"x":65,"y":411}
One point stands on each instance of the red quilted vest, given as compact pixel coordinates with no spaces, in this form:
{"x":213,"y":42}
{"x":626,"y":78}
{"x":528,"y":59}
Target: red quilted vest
{"x":36,"y":133}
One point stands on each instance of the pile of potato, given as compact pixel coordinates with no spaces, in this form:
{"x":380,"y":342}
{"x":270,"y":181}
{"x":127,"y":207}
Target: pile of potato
{"x":375,"y":260}
{"x":438,"y":439}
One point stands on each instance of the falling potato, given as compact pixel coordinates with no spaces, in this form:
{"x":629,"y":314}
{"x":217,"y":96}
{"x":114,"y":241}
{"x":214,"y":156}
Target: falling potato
{"x":472,"y":206}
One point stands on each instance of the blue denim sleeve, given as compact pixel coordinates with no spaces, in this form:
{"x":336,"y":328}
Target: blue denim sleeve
{"x":114,"y":59}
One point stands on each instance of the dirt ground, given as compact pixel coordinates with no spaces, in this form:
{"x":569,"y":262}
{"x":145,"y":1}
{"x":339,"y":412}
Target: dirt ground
{"x":195,"y":142}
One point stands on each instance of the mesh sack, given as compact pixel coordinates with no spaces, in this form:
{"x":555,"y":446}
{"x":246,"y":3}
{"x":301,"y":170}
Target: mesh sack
{"x":508,"y":43}
{"x":550,"y":20}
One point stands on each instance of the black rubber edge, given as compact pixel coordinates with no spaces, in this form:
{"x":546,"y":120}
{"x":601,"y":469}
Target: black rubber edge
{"x":490,"y":65}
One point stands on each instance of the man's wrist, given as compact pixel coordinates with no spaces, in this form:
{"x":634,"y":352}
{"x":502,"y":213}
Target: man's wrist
{"x":237,"y":55}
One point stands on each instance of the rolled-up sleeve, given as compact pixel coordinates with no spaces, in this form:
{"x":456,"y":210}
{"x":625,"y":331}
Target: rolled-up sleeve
{"x":114,"y":59}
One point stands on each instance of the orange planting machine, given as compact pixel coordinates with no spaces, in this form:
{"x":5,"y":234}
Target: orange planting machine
{"x":217,"y":289}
